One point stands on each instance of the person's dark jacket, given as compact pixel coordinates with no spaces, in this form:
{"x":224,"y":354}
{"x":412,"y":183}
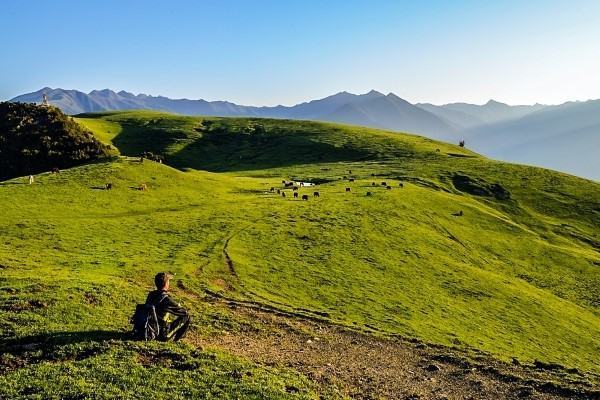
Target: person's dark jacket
{"x":164,"y":305}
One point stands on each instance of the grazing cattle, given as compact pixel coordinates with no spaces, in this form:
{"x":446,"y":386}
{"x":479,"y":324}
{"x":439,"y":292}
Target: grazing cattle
{"x":388,"y":187}
{"x":369,"y":194}
{"x":272,"y":189}
{"x":316,"y":194}
{"x":461,"y":143}
{"x":295,"y":195}
{"x":295,"y":189}
{"x":143,"y":187}
{"x":383,"y":183}
{"x":347,"y":189}
{"x":372,"y":174}
{"x":401,"y":184}
{"x":283,"y":182}
{"x":55,"y":170}
{"x":349,"y":171}
{"x":372,"y":183}
{"x":278,"y":191}
{"x":282,"y":194}
{"x":304,"y":197}
{"x":437,"y":150}
{"x":351,"y":180}
{"x":289,"y":184}
{"x":108,"y":186}
{"x":345,"y":177}
{"x":458,"y":214}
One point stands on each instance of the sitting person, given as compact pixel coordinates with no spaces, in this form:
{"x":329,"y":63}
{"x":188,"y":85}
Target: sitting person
{"x":164,"y":306}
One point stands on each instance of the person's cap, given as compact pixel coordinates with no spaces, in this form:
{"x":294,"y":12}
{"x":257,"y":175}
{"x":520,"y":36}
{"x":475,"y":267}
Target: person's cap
{"x":161,"y":279}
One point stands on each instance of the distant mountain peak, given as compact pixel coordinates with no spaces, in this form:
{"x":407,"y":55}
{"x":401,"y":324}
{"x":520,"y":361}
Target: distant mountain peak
{"x":494,"y":103}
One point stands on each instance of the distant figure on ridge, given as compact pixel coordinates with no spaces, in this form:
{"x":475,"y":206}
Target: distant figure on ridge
{"x":164,"y":306}
{"x":30,"y":179}
{"x":461,"y":143}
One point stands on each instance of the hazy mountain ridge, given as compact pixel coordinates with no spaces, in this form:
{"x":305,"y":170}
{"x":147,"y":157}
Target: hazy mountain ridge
{"x":371,"y":109}
{"x":564,"y":137}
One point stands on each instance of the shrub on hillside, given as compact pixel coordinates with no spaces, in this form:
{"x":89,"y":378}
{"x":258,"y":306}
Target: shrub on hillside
{"x":36,"y":138}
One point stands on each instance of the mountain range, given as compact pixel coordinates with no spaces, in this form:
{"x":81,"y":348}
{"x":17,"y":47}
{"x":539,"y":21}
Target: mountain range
{"x":563,"y":137}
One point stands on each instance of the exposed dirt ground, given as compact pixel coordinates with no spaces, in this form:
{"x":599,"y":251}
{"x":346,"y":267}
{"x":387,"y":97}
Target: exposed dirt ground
{"x":367,"y":367}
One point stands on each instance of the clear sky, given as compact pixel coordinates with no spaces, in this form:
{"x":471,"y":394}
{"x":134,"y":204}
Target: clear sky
{"x":287,"y":51}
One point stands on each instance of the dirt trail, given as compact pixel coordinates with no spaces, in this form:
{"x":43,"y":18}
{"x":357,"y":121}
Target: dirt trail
{"x":366,"y":367}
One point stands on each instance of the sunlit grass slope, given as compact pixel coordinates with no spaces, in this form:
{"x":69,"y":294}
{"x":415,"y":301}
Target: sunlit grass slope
{"x":516,"y":275}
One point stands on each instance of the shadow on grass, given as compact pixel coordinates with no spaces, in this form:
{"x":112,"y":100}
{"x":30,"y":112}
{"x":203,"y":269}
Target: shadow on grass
{"x":50,"y":341}
{"x":231,"y":146}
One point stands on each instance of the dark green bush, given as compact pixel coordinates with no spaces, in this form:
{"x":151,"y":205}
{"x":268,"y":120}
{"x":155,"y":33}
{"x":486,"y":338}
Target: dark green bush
{"x":36,"y":138}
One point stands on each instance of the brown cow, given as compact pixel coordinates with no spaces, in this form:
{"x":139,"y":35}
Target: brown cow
{"x":316,"y":194}
{"x":143,"y":187}
{"x":304,"y":197}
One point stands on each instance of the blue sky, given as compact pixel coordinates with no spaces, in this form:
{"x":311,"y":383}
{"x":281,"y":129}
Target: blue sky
{"x":284,"y":52}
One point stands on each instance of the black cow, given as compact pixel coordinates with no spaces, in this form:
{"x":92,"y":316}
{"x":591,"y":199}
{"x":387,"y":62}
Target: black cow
{"x":272,"y":189}
{"x":383,"y":184}
{"x":295,"y":195}
{"x":351,"y":180}
{"x":282,"y":194}
{"x":368,"y":193}
{"x":372,"y":183}
{"x":295,"y":188}
{"x":401,"y":184}
{"x":304,"y":197}
{"x":316,"y":194}
{"x":347,"y":189}
{"x":388,"y":187}
{"x":108,"y":186}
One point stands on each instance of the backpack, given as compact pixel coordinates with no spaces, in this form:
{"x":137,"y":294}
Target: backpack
{"x":145,"y":321}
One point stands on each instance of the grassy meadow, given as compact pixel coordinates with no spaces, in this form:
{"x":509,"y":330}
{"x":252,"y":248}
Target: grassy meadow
{"x":468,"y":252}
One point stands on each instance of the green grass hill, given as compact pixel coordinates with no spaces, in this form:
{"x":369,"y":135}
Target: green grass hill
{"x":461,"y":251}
